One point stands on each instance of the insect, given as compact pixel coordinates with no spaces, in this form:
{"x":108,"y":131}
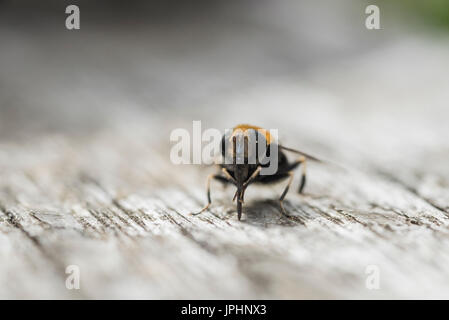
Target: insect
{"x":243,"y":173}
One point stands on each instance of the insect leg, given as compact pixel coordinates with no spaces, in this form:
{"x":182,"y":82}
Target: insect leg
{"x":253,"y":176}
{"x":301,"y":160}
{"x":228,"y":175}
{"x":281,"y":199}
{"x":303,"y":175}
{"x":240,"y":193}
{"x":209,"y":201}
{"x":247,"y":182}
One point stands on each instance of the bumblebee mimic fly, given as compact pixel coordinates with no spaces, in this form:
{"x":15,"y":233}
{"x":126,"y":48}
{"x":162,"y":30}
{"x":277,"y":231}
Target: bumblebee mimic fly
{"x":248,"y":152}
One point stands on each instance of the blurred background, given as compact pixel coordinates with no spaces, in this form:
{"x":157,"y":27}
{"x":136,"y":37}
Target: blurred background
{"x":310,"y":65}
{"x":146,"y":60}
{"x":182,"y":60}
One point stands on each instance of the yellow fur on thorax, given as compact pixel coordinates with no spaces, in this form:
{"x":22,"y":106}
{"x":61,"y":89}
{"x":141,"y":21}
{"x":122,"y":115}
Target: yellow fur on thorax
{"x":263,"y":131}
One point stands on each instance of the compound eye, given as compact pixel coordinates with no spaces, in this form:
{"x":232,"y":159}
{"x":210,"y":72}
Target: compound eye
{"x":261,"y":145}
{"x":240,"y":149}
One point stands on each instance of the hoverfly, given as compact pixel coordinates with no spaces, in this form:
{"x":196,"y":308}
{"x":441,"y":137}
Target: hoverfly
{"x":243,"y":173}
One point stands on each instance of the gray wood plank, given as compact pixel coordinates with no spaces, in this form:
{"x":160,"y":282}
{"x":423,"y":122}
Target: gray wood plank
{"x":86,"y":179}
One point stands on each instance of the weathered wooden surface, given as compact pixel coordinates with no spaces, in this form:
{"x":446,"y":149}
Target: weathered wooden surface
{"x":86,"y":180}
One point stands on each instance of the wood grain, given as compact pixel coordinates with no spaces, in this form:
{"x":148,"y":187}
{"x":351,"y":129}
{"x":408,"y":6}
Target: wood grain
{"x":86,"y":178}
